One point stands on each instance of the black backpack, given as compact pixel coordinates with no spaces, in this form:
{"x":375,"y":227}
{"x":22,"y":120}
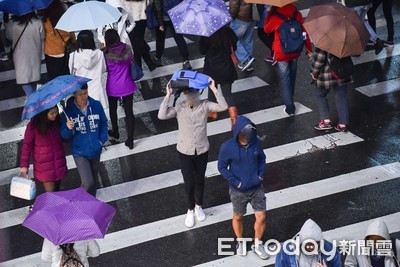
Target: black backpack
{"x":291,"y":34}
{"x":69,"y":256}
{"x":341,"y":68}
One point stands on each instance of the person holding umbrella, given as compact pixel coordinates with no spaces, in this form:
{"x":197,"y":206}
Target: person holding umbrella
{"x":85,"y":124}
{"x":42,"y":140}
{"x":192,"y":143}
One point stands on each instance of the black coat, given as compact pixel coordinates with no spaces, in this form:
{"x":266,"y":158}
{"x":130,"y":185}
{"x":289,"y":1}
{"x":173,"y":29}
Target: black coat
{"x":218,"y":63}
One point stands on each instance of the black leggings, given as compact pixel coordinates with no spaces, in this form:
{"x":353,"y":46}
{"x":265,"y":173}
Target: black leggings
{"x":387,"y":6}
{"x":141,"y":49}
{"x":57,"y":66}
{"x":180,"y":41}
{"x":127,"y":102}
{"x":193,"y":168}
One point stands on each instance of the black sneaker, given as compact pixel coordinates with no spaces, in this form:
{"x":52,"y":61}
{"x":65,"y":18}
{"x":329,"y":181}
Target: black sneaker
{"x":186,"y":65}
{"x":340,"y":128}
{"x":246,"y":64}
{"x":322,"y":125}
{"x":379,"y":45}
{"x":114,"y":135}
{"x":157,"y":62}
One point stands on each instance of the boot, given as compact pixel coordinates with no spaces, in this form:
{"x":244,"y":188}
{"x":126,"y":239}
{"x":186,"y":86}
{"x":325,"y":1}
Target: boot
{"x":233,"y":113}
{"x":149,"y":61}
{"x":130,"y":125}
{"x":213,"y":115}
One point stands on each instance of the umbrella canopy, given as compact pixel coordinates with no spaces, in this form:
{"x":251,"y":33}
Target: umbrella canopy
{"x":337,"y":29}
{"x":278,"y":3}
{"x":22,"y":7}
{"x":51,"y":93}
{"x":69,"y":216}
{"x":88,"y":15}
{"x":199,"y":17}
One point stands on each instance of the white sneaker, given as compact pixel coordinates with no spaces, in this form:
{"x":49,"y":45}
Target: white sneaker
{"x":260,"y":251}
{"x":189,"y":221}
{"x":241,"y":249}
{"x":199,"y":213}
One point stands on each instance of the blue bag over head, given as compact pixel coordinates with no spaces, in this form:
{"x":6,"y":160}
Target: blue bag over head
{"x":188,"y":79}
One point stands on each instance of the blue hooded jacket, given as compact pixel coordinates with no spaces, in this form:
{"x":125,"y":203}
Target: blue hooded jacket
{"x":89,"y":132}
{"x":238,"y":164}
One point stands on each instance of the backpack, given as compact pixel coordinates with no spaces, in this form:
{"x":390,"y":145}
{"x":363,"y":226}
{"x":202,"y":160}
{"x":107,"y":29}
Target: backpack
{"x":291,"y":34}
{"x":69,"y":256}
{"x":340,"y":67}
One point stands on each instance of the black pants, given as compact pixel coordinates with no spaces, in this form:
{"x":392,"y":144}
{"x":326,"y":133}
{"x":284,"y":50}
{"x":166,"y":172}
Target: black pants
{"x":266,"y":38}
{"x":387,"y":6}
{"x":193,"y":168}
{"x":226,"y":89}
{"x":180,"y":41}
{"x":141,"y":48}
{"x":57,"y":66}
{"x":129,"y":117}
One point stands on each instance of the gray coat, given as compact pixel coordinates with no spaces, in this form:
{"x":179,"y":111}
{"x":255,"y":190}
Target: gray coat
{"x":28,"y":52}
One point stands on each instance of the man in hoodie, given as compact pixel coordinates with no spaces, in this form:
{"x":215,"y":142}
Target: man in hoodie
{"x":85,"y":124}
{"x":241,"y":161}
{"x":377,"y":230}
{"x":310,"y":238}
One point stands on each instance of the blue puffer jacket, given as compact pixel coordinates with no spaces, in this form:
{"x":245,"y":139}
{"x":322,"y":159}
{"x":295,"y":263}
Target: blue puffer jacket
{"x":238,"y":164}
{"x":89,"y":132}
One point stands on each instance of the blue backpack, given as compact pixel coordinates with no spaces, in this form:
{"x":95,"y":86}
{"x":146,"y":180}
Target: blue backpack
{"x":291,"y":34}
{"x":187,"y":79}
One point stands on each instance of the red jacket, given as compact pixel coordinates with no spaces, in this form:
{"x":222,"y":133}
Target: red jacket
{"x":49,"y":163}
{"x":272,"y":23}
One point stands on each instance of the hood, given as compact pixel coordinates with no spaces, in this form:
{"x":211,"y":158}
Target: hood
{"x":117,"y":4}
{"x":118,"y":51}
{"x":310,"y":230}
{"x":241,"y":122}
{"x":378,"y":227}
{"x":89,"y":58}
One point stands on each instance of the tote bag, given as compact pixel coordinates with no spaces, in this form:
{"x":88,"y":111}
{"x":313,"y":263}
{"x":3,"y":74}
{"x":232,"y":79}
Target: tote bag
{"x":22,"y":187}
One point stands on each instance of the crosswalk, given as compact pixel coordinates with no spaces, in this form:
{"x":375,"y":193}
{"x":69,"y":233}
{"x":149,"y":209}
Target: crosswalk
{"x":335,"y":178}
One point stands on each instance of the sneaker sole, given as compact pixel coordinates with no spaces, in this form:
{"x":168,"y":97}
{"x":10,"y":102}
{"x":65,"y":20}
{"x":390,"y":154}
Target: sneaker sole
{"x":260,"y":256}
{"x":322,"y":129}
{"x":248,"y":64}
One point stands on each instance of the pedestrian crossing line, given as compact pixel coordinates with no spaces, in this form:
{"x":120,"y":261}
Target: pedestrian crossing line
{"x":173,"y":178}
{"x":276,"y":199}
{"x":10,"y":74}
{"x":354,"y":231}
{"x":380,"y":88}
{"x":169,"y":138}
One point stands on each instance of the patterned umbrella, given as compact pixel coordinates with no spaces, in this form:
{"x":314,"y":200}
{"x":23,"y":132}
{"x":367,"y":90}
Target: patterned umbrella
{"x":69,"y":216}
{"x":51,"y":93}
{"x":199,"y":17}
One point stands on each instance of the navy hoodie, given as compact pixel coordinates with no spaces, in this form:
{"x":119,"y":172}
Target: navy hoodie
{"x":89,"y":132}
{"x":239,"y":164}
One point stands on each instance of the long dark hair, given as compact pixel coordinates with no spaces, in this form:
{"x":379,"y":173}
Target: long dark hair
{"x":218,"y":39}
{"x":85,"y":40}
{"x":24,"y":19}
{"x":111,"y":37}
{"x":41,"y":122}
{"x":54,"y":12}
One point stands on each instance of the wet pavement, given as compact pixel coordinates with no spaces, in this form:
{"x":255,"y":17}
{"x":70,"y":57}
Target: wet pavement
{"x":340,"y":180}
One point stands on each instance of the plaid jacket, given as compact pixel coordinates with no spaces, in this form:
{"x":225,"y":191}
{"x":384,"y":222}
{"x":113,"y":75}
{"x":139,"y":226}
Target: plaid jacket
{"x":322,"y":71}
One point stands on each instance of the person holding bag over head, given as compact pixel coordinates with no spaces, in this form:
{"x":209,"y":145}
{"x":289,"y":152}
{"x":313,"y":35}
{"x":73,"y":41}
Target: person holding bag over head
{"x":43,"y":142}
{"x":192,"y":142}
{"x":119,"y":83}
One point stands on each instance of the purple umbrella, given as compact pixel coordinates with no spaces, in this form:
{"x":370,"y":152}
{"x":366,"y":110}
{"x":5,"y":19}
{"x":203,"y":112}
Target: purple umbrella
{"x":199,"y":17}
{"x":69,"y":216}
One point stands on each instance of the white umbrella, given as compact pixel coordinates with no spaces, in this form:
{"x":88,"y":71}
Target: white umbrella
{"x":88,"y":15}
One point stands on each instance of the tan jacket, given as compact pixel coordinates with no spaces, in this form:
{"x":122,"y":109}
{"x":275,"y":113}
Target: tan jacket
{"x":53,"y":44}
{"x":192,"y":123}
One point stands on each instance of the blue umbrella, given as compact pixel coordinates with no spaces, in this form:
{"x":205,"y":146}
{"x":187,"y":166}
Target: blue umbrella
{"x":51,"y":93}
{"x":199,"y":17}
{"x":22,"y":7}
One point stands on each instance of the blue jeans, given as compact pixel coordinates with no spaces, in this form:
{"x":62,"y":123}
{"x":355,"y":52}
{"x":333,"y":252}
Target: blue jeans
{"x":29,"y":88}
{"x":362,"y":11}
{"x":287,"y":75}
{"x":340,"y":100}
{"x":244,"y":32}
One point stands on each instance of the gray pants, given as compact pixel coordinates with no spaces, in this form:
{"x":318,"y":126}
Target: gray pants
{"x":88,"y":171}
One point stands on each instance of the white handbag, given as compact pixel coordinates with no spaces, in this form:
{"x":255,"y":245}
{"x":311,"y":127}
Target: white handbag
{"x":22,"y":187}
